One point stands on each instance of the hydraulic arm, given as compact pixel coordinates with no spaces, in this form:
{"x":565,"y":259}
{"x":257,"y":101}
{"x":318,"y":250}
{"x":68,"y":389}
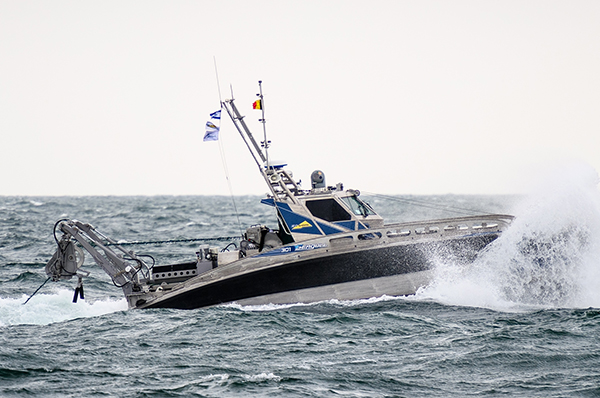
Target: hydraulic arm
{"x":126,"y":270}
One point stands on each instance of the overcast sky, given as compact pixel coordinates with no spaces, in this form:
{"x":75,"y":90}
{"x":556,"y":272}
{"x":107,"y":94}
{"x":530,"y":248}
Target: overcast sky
{"x":395,"y":97}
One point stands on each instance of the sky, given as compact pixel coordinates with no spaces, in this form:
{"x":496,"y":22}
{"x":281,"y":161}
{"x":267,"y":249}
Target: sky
{"x":389,"y":97}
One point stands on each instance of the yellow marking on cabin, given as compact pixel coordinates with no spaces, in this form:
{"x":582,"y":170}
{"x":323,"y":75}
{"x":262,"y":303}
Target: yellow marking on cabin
{"x":303,"y":224}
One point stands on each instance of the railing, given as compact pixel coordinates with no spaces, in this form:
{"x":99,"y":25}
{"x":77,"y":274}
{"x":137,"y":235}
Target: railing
{"x":420,"y":230}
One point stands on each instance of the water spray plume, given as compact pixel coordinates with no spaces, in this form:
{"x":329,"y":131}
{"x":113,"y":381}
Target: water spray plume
{"x":549,"y":257}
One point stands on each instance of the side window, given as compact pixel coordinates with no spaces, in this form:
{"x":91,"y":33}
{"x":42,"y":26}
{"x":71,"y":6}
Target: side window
{"x":358,"y":207}
{"x":328,"y":210}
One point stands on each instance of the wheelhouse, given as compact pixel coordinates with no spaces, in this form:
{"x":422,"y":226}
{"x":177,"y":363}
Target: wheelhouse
{"x":324,"y":212}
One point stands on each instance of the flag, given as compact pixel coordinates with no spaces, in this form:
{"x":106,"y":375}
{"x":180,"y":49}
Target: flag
{"x":212,"y":130}
{"x":257,"y":104}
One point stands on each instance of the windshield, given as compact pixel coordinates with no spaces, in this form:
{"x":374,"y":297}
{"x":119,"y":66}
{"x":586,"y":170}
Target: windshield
{"x":358,"y":207}
{"x":328,"y":210}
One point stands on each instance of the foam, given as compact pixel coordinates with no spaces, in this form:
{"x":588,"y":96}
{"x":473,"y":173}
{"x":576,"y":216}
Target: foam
{"x":44,"y":309}
{"x":548,"y":258}
{"x":335,"y":302}
{"x":261,"y":377}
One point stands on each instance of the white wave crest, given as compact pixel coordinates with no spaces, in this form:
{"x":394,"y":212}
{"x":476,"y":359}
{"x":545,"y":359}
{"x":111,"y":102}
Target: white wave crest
{"x":335,"y":302}
{"x":549,"y":257}
{"x":259,"y":378}
{"x":44,"y":309}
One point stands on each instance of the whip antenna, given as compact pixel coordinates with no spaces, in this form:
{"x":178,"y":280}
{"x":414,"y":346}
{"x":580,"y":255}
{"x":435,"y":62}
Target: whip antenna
{"x":222,"y":152}
{"x":218,"y":84}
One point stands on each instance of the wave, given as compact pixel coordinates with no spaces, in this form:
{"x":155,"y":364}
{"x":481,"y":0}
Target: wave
{"x":331,"y":302}
{"x":44,"y":309}
{"x":548,"y":258}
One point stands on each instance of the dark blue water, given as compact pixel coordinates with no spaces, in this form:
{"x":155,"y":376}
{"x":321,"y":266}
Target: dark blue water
{"x":523,"y":321}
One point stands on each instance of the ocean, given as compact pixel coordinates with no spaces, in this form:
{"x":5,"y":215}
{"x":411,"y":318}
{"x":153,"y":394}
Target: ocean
{"x":523,"y":321}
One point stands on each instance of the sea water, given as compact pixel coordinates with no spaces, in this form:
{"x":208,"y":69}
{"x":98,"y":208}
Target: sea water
{"x":523,"y":321}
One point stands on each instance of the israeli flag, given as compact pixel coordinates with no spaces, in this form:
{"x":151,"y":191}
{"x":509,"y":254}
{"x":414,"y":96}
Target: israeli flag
{"x":212,"y":130}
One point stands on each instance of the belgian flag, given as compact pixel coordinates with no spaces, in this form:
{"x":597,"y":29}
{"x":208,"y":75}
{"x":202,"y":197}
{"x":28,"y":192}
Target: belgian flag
{"x":257,"y":104}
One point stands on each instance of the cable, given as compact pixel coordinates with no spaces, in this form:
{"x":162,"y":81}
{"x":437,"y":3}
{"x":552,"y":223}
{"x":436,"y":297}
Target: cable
{"x":226,"y":169}
{"x":158,"y":242}
{"x":55,"y":225}
{"x":415,"y":202}
{"x":37,"y":290}
{"x":226,"y":248}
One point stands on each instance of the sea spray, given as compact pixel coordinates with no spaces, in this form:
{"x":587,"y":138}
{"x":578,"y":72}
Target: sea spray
{"x":548,"y":258}
{"x":44,"y":309}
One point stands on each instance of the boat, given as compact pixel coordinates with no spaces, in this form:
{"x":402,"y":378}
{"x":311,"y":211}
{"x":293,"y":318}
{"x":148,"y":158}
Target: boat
{"x":328,"y":244}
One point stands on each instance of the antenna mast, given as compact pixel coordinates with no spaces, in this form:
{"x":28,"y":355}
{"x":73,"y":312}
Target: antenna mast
{"x":279,"y":181}
{"x":265,"y":144}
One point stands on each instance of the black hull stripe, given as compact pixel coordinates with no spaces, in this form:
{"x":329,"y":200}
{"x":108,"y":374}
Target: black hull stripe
{"x":329,"y":270}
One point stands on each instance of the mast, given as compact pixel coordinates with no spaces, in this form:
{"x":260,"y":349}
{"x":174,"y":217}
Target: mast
{"x":236,"y":117}
{"x":279,"y":181}
{"x":265,"y":144}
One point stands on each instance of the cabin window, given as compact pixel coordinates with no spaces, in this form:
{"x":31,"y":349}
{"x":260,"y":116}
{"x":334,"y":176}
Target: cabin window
{"x":328,"y":210}
{"x":358,"y":207}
